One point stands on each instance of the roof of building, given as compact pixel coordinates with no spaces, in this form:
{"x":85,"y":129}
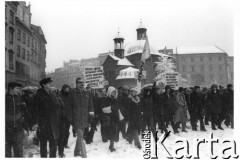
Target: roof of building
{"x":118,"y":36}
{"x":199,"y":49}
{"x":128,"y":73}
{"x":138,"y":46}
{"x":141,"y":26}
{"x":121,"y":62}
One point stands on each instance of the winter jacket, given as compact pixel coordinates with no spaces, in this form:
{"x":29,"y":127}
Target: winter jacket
{"x":180,"y":114}
{"x":134,"y":113}
{"x":80,"y":104}
{"x":15,"y":111}
{"x":196,"y":106}
{"x":214,"y":102}
{"x":123,"y":101}
{"x":47,"y":114}
{"x":229,"y":99}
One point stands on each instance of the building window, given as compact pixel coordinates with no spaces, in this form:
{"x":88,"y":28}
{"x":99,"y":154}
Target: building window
{"x":11,"y":30}
{"x":18,"y":51}
{"x":211,"y":77}
{"x":23,"y":54}
{"x":31,"y":56}
{"x":201,"y":59}
{"x":192,"y":59}
{"x":220,"y":58}
{"x":221,"y":77}
{"x":183,"y":59}
{"x":210,"y":58}
{"x":11,"y":65}
{"x":220,"y":67}
{"x":24,"y":38}
{"x":35,"y":44}
{"x":202,"y":68}
{"x":18,"y":68}
{"x":210,"y":67}
{"x":19,"y":35}
{"x":28,"y":41}
{"x":192,"y":68}
{"x":32,"y":43}
{"x":183,"y":68}
{"x":11,"y":17}
{"x":27,"y":55}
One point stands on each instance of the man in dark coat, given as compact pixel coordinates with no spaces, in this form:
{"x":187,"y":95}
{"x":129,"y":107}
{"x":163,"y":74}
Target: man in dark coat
{"x":159,"y":108}
{"x":147,"y":109}
{"x":215,"y":106}
{"x":168,"y":107}
{"x":15,"y":112}
{"x":80,"y":108}
{"x":64,"y":123}
{"x":196,"y":109}
{"x":228,"y":102}
{"x":47,"y":116}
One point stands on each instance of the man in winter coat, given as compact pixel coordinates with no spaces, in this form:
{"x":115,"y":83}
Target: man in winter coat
{"x":47,"y":116}
{"x":215,"y":106}
{"x":228,"y":102}
{"x":180,"y":115}
{"x":80,"y":108}
{"x":147,"y":109}
{"x":196,"y":109}
{"x":159,"y":108}
{"x":15,"y":112}
{"x":168,"y":107}
{"x":64,"y":123}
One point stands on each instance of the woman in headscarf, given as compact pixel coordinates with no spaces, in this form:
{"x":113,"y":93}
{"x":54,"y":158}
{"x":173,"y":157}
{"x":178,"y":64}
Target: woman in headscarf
{"x":110,"y":116}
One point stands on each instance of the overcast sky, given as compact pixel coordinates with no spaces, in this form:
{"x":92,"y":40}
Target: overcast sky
{"x":83,"y":29}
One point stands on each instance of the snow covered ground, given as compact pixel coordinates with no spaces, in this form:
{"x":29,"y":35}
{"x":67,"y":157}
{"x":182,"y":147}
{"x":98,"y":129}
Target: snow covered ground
{"x":98,"y":149}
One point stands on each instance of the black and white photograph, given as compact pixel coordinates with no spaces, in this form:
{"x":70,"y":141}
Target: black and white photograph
{"x":136,"y":79}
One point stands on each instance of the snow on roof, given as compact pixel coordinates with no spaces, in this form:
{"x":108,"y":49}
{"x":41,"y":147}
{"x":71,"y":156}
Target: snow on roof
{"x":122,"y":62}
{"x":128,"y":73}
{"x":199,"y":49}
{"x":137,"y":47}
{"x":118,"y":36}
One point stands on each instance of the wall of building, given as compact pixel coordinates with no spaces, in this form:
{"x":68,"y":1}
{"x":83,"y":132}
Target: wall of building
{"x":203,"y":69}
{"x":27,"y":63}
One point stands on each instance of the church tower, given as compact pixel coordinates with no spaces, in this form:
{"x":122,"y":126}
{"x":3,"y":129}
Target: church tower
{"x":119,"y":46}
{"x":141,"y":32}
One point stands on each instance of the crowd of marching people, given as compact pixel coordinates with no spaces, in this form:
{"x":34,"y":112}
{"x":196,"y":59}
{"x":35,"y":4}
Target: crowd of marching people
{"x":50,"y":112}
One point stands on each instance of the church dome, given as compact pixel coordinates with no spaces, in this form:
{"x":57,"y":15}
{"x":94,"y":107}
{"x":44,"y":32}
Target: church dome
{"x":138,"y":46}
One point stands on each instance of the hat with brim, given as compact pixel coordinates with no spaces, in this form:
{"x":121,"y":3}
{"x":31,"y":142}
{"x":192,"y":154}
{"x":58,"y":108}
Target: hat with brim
{"x":45,"y":81}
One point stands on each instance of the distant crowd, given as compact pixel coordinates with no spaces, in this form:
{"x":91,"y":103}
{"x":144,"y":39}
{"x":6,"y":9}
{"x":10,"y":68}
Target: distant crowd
{"x":50,"y":112}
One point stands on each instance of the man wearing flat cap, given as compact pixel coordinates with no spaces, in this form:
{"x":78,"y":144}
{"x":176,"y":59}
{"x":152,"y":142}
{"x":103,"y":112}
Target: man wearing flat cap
{"x":47,"y":116}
